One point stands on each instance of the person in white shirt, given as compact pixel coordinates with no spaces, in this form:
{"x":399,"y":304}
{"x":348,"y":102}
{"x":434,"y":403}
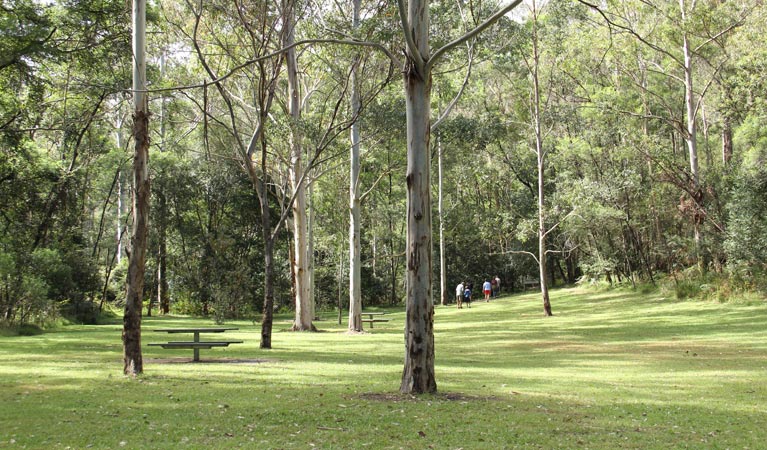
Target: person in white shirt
{"x":459,"y":294}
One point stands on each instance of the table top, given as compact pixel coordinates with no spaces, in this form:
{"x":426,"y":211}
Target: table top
{"x":374,"y":313}
{"x":196,"y":330}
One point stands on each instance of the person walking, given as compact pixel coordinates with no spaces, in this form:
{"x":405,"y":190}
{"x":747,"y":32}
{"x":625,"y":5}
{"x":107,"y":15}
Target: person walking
{"x":459,"y":294}
{"x":467,"y":295}
{"x":486,"y":289}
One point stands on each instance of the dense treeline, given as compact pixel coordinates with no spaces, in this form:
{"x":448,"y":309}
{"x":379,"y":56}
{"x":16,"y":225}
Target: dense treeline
{"x":642,"y":122}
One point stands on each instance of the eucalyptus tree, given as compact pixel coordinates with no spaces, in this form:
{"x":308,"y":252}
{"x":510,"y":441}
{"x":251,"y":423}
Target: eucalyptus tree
{"x":239,"y":59}
{"x":532,"y":71}
{"x":304,"y":311}
{"x":133,"y":360}
{"x":418,"y":373}
{"x":686,"y":42}
{"x":533,"y":64}
{"x":355,"y":277}
{"x":263,"y":28}
{"x":323,"y":120}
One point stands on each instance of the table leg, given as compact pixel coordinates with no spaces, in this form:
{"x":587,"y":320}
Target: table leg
{"x":196,"y":349}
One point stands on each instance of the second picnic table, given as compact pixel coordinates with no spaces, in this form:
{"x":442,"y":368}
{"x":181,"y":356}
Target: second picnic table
{"x":196,"y":344}
{"x":371,"y":320}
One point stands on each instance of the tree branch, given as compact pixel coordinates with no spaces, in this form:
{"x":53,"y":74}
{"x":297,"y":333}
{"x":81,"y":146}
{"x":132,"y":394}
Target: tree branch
{"x":453,"y":102}
{"x":480,"y":28}
{"x":275,"y":53}
{"x":419,"y":61}
{"x":546,"y":233}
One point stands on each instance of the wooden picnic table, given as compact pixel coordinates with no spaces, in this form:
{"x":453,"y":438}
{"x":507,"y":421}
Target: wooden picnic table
{"x":371,"y":319}
{"x":196,"y":344}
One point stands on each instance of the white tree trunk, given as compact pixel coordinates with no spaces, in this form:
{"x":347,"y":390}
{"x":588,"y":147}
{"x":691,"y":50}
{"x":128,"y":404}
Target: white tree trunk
{"x":303,"y":317}
{"x":310,"y":251}
{"x":355,"y":278}
{"x":692,"y":138}
{"x":418,"y":373}
{"x":442,"y":263}
{"x":540,"y":152}
{"x":131,"y":335}
{"x":120,"y":193}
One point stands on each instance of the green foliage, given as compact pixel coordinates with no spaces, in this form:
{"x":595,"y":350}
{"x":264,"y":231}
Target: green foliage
{"x":737,"y":284}
{"x":746,"y":242}
{"x":29,"y":330}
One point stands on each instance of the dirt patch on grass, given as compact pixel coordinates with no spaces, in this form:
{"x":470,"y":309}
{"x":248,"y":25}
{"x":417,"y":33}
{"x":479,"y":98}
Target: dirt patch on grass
{"x":206,"y":361}
{"x":446,"y":397}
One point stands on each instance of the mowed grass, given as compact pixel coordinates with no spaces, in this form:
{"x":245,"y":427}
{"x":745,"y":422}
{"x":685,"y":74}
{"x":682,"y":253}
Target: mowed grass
{"x":615,"y":369}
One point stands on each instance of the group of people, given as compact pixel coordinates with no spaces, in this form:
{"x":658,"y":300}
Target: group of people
{"x":465,"y":290}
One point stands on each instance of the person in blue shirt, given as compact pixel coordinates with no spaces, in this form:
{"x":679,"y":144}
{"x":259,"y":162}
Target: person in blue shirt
{"x":467,"y":295}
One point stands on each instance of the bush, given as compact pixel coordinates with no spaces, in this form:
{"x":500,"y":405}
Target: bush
{"x":687,"y":289}
{"x":29,"y":330}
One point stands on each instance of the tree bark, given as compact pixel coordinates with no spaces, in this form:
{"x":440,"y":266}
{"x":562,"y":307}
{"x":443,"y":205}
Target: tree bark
{"x":442,"y":262}
{"x":418,"y":373}
{"x":541,"y":157}
{"x":131,"y":335}
{"x":163,"y":298}
{"x":727,"y":145}
{"x":303,"y":318}
{"x":692,"y":140}
{"x":312,"y":299}
{"x":355,"y":277}
{"x":267,"y":317}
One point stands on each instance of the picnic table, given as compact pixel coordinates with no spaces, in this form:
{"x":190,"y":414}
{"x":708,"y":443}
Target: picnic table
{"x":196,"y":344}
{"x":530,"y":282}
{"x":371,"y":317}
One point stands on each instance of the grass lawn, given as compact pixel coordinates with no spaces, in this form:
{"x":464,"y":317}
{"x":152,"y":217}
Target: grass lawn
{"x":615,"y":369}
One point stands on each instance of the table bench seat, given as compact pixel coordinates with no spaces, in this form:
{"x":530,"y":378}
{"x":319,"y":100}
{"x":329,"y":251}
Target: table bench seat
{"x":195,"y":344}
{"x":372,"y":317}
{"x":202,"y":344}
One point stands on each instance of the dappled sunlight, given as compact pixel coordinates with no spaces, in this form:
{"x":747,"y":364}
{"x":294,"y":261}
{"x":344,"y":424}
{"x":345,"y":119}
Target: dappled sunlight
{"x":663,"y":368}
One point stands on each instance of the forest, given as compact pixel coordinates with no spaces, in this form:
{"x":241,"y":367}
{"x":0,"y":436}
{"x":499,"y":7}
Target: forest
{"x":616,"y":142}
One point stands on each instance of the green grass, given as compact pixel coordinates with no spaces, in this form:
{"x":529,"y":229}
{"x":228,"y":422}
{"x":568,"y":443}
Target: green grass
{"x":614,"y":369}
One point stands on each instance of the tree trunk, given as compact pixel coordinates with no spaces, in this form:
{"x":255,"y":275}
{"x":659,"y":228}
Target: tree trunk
{"x":541,"y":173}
{"x":442,"y":263}
{"x":355,"y":277}
{"x":310,"y":251}
{"x":267,"y":318}
{"x":692,"y":142}
{"x":418,"y":373}
{"x":163,"y":299}
{"x":727,"y":144}
{"x":131,"y":335}
{"x":392,"y":258}
{"x":303,"y":318}
{"x":120,"y":202}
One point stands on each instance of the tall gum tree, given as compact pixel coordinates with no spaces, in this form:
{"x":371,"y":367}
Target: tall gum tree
{"x":262,"y":33}
{"x":304,"y":311}
{"x":355,"y":277}
{"x":131,"y":335}
{"x":418,"y":372}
